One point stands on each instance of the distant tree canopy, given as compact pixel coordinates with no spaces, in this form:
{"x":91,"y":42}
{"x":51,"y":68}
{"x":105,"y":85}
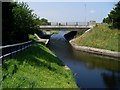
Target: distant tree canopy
{"x":18,"y":21}
{"x":43,"y":21}
{"x":114,"y":16}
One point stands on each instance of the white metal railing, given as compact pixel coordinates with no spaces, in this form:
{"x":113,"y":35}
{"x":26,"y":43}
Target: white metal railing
{"x":69,"y":23}
{"x":90,"y":23}
{"x":14,"y":48}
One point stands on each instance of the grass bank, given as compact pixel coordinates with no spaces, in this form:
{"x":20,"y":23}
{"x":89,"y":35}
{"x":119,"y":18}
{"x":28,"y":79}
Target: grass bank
{"x":51,"y":32}
{"x":36,"y":67}
{"x":100,"y":37}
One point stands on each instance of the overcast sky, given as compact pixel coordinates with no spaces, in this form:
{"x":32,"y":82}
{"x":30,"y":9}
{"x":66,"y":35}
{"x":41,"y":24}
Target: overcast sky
{"x":72,"y":11}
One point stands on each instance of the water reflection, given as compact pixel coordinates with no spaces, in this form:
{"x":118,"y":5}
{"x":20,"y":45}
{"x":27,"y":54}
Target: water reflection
{"x":96,"y":62}
{"x":111,"y":80}
{"x":90,"y":71}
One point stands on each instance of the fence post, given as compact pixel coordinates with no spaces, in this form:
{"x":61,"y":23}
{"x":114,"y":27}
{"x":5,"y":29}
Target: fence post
{"x":10,"y":52}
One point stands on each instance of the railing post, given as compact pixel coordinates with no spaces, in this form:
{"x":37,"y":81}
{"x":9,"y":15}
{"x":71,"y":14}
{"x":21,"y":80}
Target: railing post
{"x":76,"y":23}
{"x":66,"y":23}
{"x":23,"y":46}
{"x":11,"y":52}
{"x":15,"y":50}
{"x":57,"y":24}
{"x":87,"y":23}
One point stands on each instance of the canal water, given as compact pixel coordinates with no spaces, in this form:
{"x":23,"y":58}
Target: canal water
{"x":89,"y":70}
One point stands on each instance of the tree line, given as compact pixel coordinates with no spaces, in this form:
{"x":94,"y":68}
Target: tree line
{"x":18,"y":20}
{"x":113,"y":17}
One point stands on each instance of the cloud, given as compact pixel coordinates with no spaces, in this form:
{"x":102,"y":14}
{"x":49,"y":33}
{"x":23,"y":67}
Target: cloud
{"x":92,"y":11}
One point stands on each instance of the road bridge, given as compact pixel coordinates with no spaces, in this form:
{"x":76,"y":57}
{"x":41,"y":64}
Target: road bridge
{"x":68,"y":26}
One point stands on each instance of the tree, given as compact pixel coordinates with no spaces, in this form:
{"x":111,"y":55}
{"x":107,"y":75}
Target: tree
{"x":43,"y":21}
{"x":114,"y":16}
{"x":7,"y":22}
{"x":23,"y":21}
{"x":106,"y":20}
{"x":18,"y":21}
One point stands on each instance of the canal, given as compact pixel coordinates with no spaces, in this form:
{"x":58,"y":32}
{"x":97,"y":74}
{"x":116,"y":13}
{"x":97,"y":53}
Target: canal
{"x":89,"y":70}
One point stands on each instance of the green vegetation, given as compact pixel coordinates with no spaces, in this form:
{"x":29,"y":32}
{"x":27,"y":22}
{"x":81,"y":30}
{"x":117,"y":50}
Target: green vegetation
{"x":36,"y":67}
{"x":1,"y":83}
{"x":0,"y":71}
{"x":32,"y":37}
{"x":43,"y":21}
{"x":54,"y":32}
{"x":18,"y":21}
{"x":114,"y":17}
{"x":100,"y":37}
{"x":51,"y":32}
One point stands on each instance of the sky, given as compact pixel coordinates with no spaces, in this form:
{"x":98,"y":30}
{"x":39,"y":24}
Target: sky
{"x":72,"y":11}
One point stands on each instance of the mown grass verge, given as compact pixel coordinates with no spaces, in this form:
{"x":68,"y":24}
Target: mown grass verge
{"x":100,"y":37}
{"x":36,"y":67}
{"x":0,"y":77}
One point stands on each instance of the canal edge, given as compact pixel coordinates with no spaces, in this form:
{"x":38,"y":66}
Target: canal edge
{"x":95,"y":50}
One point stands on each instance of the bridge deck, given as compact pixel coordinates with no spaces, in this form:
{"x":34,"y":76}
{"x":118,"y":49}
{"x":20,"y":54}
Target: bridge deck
{"x":65,"y":27}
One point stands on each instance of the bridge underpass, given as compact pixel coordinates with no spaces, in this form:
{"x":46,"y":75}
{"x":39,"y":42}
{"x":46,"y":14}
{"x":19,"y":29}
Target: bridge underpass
{"x":79,"y":27}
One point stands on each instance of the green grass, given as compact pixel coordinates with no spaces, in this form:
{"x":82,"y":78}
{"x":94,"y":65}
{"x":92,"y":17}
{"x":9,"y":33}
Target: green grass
{"x":54,"y":32}
{"x":100,"y":37}
{"x":32,"y":37}
{"x":36,"y":67}
{"x":0,"y":77}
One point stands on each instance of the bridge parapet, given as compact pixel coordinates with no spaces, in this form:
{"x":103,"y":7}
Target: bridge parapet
{"x":69,"y":23}
{"x":66,"y":27}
